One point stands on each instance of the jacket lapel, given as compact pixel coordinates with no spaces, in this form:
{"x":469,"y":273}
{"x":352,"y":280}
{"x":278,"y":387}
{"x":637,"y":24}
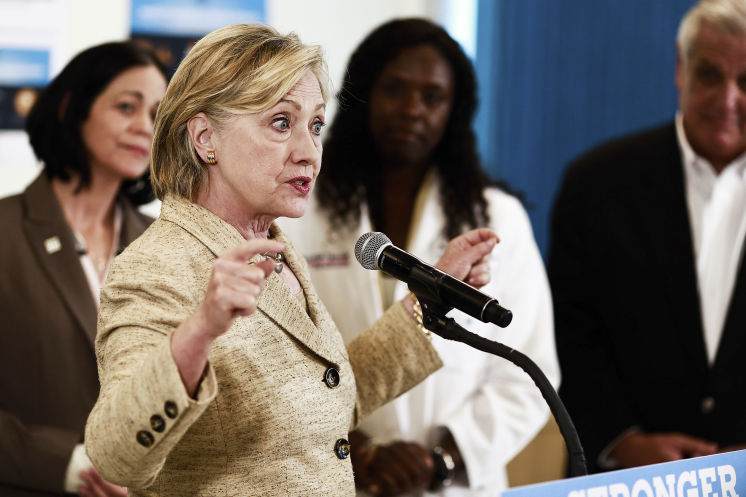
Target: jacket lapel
{"x":317,"y":331}
{"x":53,"y":244}
{"x":667,"y":217}
{"x":315,"y":328}
{"x":732,"y":340}
{"x":133,"y":224}
{"x":328,"y":252}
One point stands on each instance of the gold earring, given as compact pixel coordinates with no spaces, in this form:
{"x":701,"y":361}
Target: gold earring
{"x":211,"y":157}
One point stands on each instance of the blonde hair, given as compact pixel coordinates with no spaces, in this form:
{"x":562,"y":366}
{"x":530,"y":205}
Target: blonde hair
{"x":727,"y":16}
{"x":235,"y":70}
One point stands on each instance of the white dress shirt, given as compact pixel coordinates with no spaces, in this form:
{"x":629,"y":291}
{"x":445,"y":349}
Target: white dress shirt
{"x":717,"y":213}
{"x":79,"y":461}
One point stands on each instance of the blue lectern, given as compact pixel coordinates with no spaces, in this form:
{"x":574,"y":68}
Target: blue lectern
{"x":721,"y":475}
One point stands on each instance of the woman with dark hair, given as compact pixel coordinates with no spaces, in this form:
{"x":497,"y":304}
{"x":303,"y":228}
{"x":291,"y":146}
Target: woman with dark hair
{"x":401,"y":158}
{"x":92,"y":130}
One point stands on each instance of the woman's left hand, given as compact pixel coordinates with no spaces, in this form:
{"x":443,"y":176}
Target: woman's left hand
{"x":394,"y":469}
{"x":465,"y":256}
{"x":95,"y":486}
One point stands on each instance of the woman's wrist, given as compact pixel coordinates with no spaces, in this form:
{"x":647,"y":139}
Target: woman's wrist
{"x":362,"y":453}
{"x":453,"y":467}
{"x":445,"y":468}
{"x":408,"y":302}
{"x":190,"y":349}
{"x":413,"y":305}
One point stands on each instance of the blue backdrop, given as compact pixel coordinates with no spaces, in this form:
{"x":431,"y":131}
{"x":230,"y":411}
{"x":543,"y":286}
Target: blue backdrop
{"x":558,"y":76}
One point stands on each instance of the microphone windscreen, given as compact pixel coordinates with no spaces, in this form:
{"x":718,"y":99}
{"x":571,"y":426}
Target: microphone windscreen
{"x":367,"y":247}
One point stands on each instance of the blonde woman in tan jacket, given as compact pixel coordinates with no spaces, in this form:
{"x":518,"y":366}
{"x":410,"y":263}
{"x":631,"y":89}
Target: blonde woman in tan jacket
{"x":220,"y":377}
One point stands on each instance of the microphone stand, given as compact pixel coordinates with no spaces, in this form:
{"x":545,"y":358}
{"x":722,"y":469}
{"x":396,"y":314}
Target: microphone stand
{"x":434,"y":319}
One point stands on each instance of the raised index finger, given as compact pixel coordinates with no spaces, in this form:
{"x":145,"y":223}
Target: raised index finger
{"x":248,"y":249}
{"x":479,"y":235}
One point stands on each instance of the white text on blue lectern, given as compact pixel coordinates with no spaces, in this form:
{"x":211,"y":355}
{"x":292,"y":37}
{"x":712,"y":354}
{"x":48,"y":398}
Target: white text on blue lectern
{"x":716,"y":481}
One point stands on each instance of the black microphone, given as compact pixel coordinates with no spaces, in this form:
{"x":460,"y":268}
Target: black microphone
{"x":374,"y":250}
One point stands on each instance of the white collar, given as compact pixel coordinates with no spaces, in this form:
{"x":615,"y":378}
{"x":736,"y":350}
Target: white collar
{"x":700,"y":169}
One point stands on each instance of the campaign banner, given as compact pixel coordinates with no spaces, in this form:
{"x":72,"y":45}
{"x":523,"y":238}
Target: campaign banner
{"x":719,"y":475}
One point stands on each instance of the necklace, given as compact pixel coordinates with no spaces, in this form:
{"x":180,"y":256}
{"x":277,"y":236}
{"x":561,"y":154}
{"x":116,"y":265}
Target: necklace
{"x":278,"y":257}
{"x":99,"y":263}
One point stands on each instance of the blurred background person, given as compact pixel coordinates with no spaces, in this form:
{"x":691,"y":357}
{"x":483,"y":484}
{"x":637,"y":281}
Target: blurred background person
{"x":401,"y":158}
{"x":220,"y":377}
{"x":92,"y":129}
{"x":646,"y":266}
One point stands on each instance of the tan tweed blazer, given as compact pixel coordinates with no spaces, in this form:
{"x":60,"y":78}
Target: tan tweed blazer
{"x":264,"y":422}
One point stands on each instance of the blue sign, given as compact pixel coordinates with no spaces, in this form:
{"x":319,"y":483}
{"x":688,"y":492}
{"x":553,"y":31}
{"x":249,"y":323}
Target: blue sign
{"x":21,"y":67}
{"x":720,"y":475}
{"x":192,"y":18}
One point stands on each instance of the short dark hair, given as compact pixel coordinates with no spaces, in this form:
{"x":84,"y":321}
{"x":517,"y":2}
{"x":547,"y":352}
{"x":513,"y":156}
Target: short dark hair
{"x":55,"y":120}
{"x":349,"y":174}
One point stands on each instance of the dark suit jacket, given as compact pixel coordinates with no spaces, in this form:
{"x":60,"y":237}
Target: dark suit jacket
{"x":627,"y":314}
{"x":48,"y":375}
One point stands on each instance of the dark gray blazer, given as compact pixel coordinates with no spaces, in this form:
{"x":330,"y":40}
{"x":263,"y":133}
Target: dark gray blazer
{"x":627,"y":314}
{"x":48,"y":375}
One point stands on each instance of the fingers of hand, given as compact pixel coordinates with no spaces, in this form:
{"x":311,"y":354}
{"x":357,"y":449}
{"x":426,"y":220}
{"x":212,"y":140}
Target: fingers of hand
{"x":395,"y":482}
{"x":661,"y":447}
{"x":231,"y":269}
{"x":693,"y":445}
{"x":267,"y":265}
{"x":402,"y":467}
{"x":479,"y":274}
{"x":248,"y":249}
{"x":480,"y":235}
{"x":421,"y":465}
{"x":114,"y":490}
{"x":235,"y":286}
{"x":91,"y":486}
{"x":476,"y":253}
{"x":731,"y":448}
{"x":96,"y":486}
{"x":467,"y":250}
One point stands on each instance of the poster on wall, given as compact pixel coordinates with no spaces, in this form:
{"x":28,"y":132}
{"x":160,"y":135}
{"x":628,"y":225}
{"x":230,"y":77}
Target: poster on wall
{"x":32,"y":34}
{"x":22,"y":73}
{"x":30,"y":38}
{"x":171,"y":27}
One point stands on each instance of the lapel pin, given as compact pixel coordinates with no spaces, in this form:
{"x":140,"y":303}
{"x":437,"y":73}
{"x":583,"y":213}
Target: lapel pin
{"x":52,"y":244}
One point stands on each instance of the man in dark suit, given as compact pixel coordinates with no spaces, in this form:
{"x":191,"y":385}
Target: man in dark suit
{"x":645,"y":264}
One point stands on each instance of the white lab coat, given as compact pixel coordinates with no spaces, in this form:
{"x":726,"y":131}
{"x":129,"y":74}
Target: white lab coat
{"x":491,"y":406}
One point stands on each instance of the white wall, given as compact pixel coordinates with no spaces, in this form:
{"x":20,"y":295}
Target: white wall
{"x":68,"y":26}
{"x":337,"y":25}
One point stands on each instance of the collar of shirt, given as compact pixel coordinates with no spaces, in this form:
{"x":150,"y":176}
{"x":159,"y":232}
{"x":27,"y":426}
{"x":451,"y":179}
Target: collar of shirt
{"x":96,"y":281}
{"x":716,"y":204}
{"x":698,"y":171}
{"x":701,"y":180}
